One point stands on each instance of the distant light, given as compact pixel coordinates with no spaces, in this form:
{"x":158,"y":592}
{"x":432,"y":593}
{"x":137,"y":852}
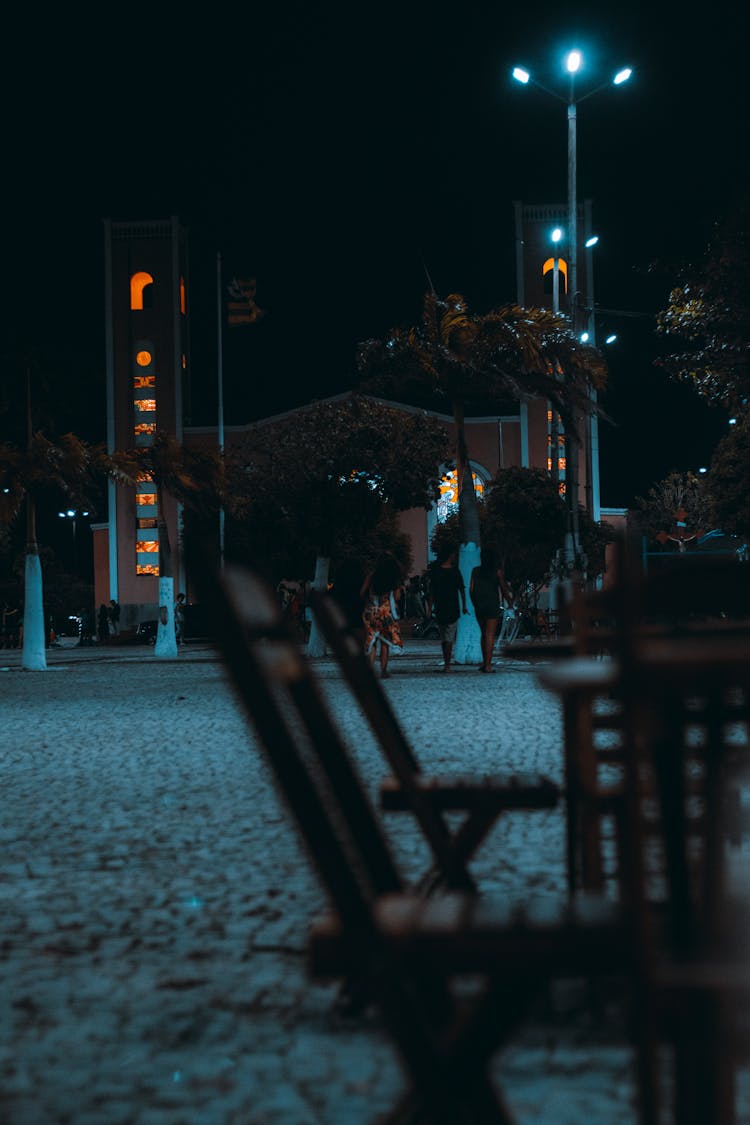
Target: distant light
{"x":592,"y":241}
{"x":573,"y":61}
{"x":703,"y":469}
{"x":584,"y":337}
{"x":521,"y":75}
{"x":556,"y":234}
{"x":61,"y":515}
{"x":732,"y":422}
{"x":611,"y":339}
{"x":70,"y":512}
{"x":622,"y":76}
{"x":84,"y":513}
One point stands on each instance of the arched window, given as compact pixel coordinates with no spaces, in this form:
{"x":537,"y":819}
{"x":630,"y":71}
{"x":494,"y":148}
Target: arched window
{"x":548,"y":270}
{"x":140,"y":290}
{"x":447,"y":503}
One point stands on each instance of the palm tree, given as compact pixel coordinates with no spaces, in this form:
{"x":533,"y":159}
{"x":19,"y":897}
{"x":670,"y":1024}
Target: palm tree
{"x":509,"y":352}
{"x":195,"y":478}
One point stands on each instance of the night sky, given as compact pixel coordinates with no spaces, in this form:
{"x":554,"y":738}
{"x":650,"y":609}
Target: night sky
{"x":338,"y":152}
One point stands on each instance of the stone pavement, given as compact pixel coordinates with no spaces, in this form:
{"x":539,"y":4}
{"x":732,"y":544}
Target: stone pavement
{"x":154,"y":901}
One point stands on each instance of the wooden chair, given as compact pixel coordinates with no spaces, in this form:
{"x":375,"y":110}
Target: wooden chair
{"x":484,"y":799}
{"x":411,"y":950}
{"x":633,"y":609}
{"x":678,"y":700}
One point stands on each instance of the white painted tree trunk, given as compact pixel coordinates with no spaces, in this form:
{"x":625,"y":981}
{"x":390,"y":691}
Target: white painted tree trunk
{"x":316,"y":645}
{"x":34,"y":655}
{"x":166,"y":640}
{"x":468,"y":646}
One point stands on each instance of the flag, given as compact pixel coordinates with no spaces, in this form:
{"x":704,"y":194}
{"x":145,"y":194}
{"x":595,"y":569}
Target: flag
{"x":241,"y":306}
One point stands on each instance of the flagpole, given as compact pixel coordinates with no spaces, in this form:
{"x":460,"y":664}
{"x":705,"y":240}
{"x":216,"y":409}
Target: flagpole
{"x":220,"y":392}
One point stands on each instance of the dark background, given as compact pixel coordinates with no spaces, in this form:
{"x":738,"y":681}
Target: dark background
{"x":338,"y":153}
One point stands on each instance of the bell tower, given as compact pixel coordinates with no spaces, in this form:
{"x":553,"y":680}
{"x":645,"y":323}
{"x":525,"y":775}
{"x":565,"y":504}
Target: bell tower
{"x":146,"y":326}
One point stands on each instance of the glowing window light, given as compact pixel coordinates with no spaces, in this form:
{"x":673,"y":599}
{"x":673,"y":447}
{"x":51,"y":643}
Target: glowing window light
{"x":146,"y":499}
{"x":143,"y":477}
{"x":143,"y":358}
{"x":143,"y":382}
{"x":147,"y":568}
{"x":138,"y":283}
{"x":147,"y":546}
{"x":447,"y":502}
{"x":182,"y":295}
{"x":144,"y":428}
{"x":145,"y":405}
{"x":562,"y":267}
{"x":146,"y":524}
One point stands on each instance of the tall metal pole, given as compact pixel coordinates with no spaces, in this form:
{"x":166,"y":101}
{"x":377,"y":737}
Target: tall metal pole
{"x":572,"y":538}
{"x":220,"y":391}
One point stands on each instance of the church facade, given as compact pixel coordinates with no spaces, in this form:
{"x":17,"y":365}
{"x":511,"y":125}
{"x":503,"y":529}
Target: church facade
{"x":148,"y":372}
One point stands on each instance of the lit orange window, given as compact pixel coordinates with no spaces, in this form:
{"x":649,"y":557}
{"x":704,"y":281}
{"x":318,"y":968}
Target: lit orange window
{"x":145,"y":404}
{"x":562,"y":266}
{"x":142,"y":568}
{"x":141,"y":382}
{"x":145,"y":499}
{"x":143,"y":476}
{"x":143,"y":358}
{"x":147,"y":547}
{"x":145,"y":428}
{"x":138,"y":283}
{"x":182,"y":295}
{"x":145,"y":524}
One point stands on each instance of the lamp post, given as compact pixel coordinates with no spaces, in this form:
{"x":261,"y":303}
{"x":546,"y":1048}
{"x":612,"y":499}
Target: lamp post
{"x":72,"y":515}
{"x":573,"y":65}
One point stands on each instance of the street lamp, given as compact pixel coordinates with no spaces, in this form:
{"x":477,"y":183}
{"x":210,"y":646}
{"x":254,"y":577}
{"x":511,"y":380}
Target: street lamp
{"x":72,"y":515}
{"x":573,"y":65}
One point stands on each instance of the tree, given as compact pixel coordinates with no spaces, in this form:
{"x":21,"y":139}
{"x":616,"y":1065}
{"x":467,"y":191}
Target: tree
{"x":193,"y":477}
{"x":707,"y":318}
{"x":326,"y":477}
{"x":509,"y":353}
{"x":523,"y":519}
{"x":675,"y":511}
{"x":728,"y":481}
{"x":68,"y":467}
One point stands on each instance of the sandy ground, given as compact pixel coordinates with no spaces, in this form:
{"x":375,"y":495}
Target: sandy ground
{"x":155,"y":901}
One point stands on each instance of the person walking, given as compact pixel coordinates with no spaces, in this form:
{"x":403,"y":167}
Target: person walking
{"x":179,"y":619}
{"x":487,"y":589}
{"x":381,"y":591}
{"x":102,"y":623}
{"x":347,"y":592}
{"x":447,"y":602}
{"x":114,"y":617}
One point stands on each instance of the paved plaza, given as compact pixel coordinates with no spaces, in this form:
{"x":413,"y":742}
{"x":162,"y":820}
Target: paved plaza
{"x":155,"y":901}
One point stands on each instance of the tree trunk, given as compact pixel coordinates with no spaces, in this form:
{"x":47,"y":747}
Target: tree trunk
{"x":166,"y":638}
{"x":34,"y":654}
{"x":316,"y":643}
{"x":468,"y":647}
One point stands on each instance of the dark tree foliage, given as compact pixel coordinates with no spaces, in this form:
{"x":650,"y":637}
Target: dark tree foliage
{"x":328,"y":480}
{"x":479,"y":362}
{"x":676,"y":510}
{"x":728,"y":481}
{"x":707,"y":319}
{"x":523,"y":520}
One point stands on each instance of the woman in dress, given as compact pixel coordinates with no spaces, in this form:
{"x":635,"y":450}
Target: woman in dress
{"x":487,"y":588}
{"x":381,"y":590}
